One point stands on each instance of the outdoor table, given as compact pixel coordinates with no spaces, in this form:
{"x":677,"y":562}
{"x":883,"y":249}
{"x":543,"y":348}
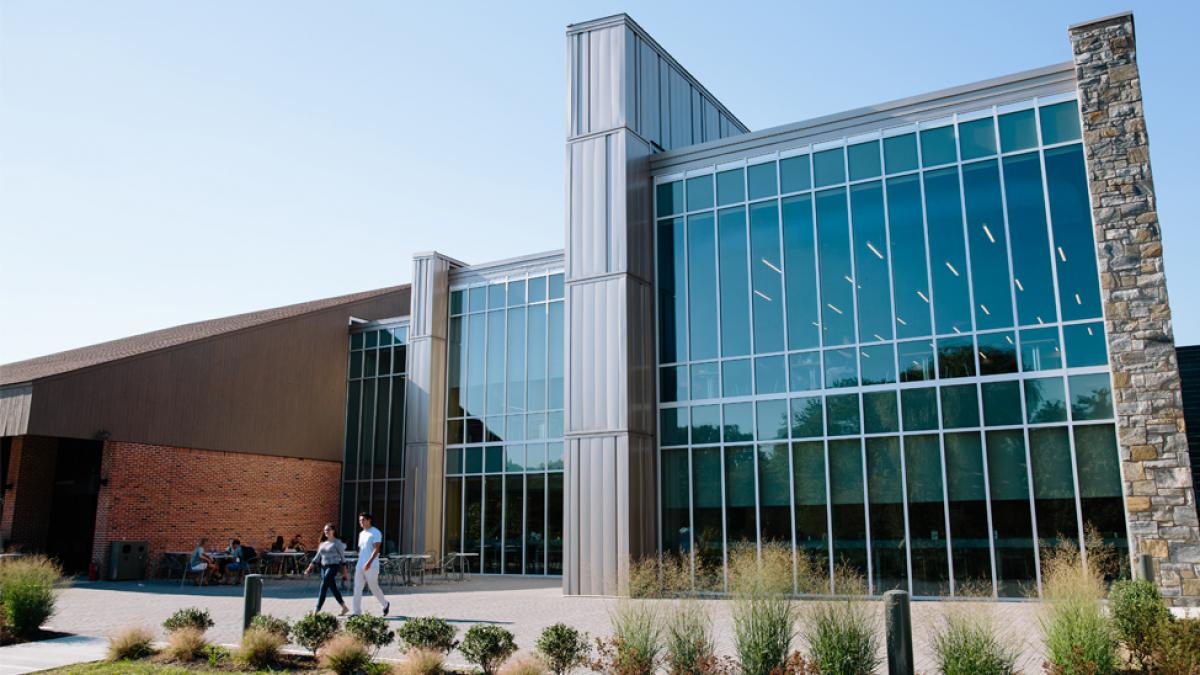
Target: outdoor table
{"x":461,"y":560}
{"x":410,"y":558}
{"x":287,"y":559}
{"x":183,"y":558}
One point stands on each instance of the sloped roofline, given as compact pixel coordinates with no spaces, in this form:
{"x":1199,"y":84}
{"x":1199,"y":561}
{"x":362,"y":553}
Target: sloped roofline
{"x":20,"y":372}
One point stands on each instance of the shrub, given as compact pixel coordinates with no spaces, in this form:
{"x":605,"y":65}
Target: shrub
{"x":1177,"y":648}
{"x":487,"y":646}
{"x":564,"y":648}
{"x":968,"y":645}
{"x":427,"y":632}
{"x":185,"y":644}
{"x":1138,"y":615}
{"x":272,"y":624}
{"x":688,"y":639}
{"x":189,"y":617}
{"x":371,"y":631}
{"x":524,"y":664}
{"x":345,"y":655}
{"x":28,"y":593}
{"x":216,"y":655}
{"x":313,"y":630}
{"x":764,"y":615}
{"x":841,"y":638}
{"x":131,"y":643}
{"x":1078,"y":637}
{"x":422,"y":662}
{"x":260,"y":648}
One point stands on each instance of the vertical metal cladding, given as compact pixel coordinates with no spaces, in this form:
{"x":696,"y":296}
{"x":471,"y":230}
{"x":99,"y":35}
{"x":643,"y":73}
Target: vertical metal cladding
{"x":627,"y":98}
{"x":425,"y":403}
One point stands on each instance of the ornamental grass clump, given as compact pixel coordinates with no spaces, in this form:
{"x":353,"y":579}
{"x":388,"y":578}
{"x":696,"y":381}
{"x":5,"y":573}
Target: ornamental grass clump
{"x":131,"y":644}
{"x":345,"y":655}
{"x":968,"y":644}
{"x":524,"y":664}
{"x":185,"y":644}
{"x":764,"y":613}
{"x":654,"y":577}
{"x":635,"y":647}
{"x":564,"y":648}
{"x":1078,"y":637}
{"x":841,"y":633}
{"x":487,"y":646}
{"x":28,"y":593}
{"x":687,"y":639}
{"x":422,"y":662}
{"x":260,"y":648}
{"x":427,"y":632}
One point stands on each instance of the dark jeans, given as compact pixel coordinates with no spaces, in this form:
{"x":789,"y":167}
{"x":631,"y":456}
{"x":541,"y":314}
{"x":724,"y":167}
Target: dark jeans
{"x":329,"y":583}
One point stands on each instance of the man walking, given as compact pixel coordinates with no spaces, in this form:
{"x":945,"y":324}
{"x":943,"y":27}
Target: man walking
{"x":370,"y":541}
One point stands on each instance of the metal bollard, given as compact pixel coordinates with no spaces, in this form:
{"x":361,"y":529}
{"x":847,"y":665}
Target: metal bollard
{"x":251,"y":599}
{"x":898,"y":619}
{"x":1145,"y":567}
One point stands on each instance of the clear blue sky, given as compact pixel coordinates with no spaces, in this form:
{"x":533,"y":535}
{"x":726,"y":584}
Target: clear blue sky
{"x":165,"y":162}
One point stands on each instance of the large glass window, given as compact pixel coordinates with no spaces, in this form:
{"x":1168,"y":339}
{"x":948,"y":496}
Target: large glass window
{"x":848,"y":511}
{"x":916,"y":317}
{"x":504,"y":447}
{"x":373,"y":464}
{"x":926,"y":516}
{"x":889,"y":558}
{"x":1012,"y":526}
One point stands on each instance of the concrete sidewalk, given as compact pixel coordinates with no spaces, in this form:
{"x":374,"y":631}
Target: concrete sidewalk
{"x":34,"y":656}
{"x":522,"y":605}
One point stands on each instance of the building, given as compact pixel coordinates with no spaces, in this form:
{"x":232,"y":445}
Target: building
{"x":923,"y":339}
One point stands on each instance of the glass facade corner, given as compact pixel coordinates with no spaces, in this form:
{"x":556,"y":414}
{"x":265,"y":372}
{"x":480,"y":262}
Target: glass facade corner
{"x":889,"y":355}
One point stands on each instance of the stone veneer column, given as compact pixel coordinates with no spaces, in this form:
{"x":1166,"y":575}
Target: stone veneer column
{"x":425,"y":404}
{"x":1160,"y":503}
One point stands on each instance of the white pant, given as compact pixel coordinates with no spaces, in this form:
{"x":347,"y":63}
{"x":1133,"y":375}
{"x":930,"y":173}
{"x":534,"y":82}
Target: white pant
{"x":369,"y":578}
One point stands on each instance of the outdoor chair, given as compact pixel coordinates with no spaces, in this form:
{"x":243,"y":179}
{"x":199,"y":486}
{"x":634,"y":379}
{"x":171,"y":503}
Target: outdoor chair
{"x":201,"y":576}
{"x":170,"y":564}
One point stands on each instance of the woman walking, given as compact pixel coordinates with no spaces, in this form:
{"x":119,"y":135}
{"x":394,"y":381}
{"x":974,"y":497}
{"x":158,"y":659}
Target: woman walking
{"x":331,"y":556}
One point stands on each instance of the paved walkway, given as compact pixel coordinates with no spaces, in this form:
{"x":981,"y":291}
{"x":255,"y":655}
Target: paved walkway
{"x":34,"y":656}
{"x":524,"y":606}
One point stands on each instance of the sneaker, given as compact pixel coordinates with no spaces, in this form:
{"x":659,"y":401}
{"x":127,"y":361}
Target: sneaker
{"x":386,"y":608}
{"x":345,"y":611}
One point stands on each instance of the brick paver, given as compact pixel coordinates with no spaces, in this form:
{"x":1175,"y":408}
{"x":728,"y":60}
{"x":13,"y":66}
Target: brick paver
{"x":524,"y":606}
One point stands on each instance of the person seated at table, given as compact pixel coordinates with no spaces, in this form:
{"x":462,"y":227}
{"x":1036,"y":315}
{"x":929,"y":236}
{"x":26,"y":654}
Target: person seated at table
{"x":277,"y":546}
{"x":296,"y":544}
{"x":202,"y":563}
{"x":235,"y":564}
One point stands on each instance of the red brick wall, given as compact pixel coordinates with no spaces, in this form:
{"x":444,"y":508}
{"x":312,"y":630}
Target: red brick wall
{"x":26,"y":519}
{"x":171,"y":497}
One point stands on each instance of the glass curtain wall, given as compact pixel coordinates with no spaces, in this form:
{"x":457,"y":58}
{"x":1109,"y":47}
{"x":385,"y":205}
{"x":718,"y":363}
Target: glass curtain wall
{"x":504,"y":429}
{"x":912,"y":320}
{"x":373,"y":466}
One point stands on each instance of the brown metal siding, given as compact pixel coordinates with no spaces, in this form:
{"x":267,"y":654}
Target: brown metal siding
{"x":273,"y":389}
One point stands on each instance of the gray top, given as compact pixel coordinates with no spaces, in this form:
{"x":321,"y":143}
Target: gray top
{"x":330,"y":552}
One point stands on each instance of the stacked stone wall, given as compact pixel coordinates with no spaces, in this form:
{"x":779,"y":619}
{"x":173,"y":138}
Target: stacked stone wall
{"x":1160,"y":501}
